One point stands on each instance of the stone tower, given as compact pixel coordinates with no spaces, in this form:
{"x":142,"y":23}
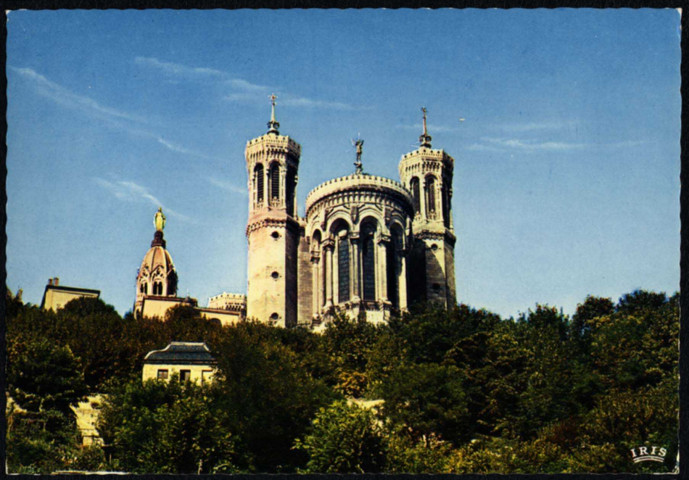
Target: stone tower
{"x":272,"y":162}
{"x":427,"y":174}
{"x":157,"y":276}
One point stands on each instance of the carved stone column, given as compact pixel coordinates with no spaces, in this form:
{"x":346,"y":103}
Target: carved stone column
{"x":328,"y":246}
{"x":356,"y":268}
{"x":402,"y":278}
{"x":382,"y":275}
{"x":315,"y":284}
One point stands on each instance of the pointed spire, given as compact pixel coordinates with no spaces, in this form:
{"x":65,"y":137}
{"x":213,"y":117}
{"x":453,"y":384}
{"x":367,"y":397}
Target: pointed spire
{"x":359,"y":144}
{"x":425,"y":138}
{"x":273,"y":125}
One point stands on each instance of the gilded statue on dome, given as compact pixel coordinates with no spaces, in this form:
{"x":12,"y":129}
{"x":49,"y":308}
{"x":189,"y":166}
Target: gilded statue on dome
{"x":159,"y":220}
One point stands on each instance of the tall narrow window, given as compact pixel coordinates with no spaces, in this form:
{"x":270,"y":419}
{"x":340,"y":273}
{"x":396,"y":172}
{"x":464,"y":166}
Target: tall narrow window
{"x":416,"y":193}
{"x":291,"y":181}
{"x":368,"y":265}
{"x":258,"y":182}
{"x":342,"y":267}
{"x":446,"y":205}
{"x":430,"y":194}
{"x":392,"y":265}
{"x":274,"y":181}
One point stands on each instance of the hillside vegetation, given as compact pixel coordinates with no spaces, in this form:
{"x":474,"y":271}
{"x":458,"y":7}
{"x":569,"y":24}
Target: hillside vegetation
{"x":462,"y":391}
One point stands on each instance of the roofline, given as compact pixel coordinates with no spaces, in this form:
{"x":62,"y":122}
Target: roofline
{"x":76,"y":289}
{"x":71,"y":289}
{"x":180,"y":362}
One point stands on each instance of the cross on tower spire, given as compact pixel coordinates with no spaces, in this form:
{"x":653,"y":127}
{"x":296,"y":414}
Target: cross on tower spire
{"x":273,"y":125}
{"x":425,"y":138}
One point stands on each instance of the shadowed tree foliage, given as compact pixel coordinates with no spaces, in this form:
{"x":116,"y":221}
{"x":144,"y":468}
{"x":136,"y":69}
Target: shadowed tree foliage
{"x":343,"y":438}
{"x":168,"y":427}
{"x":456,"y":391}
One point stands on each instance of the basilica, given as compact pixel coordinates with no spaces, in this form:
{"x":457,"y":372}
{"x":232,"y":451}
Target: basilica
{"x":368,"y":246}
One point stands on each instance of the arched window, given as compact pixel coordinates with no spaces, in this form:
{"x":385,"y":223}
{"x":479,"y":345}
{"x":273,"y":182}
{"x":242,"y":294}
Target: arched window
{"x":416,"y":193}
{"x":368,"y":260}
{"x":291,"y":183}
{"x":157,"y":288}
{"x":392,"y":263}
{"x":430,"y":194}
{"x":171,"y":284}
{"x":258,"y":183}
{"x":143,"y":288}
{"x":274,"y":181}
{"x":342,"y":266}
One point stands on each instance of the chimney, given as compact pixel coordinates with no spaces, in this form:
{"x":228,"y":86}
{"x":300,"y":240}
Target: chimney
{"x":50,"y":282}
{"x":56,"y":281}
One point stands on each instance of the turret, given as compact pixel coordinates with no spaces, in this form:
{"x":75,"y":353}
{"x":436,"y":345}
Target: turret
{"x":272,"y":230}
{"x":427,"y":174}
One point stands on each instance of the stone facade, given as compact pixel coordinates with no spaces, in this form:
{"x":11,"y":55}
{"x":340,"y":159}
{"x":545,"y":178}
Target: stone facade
{"x":191,"y":361}
{"x":367,"y":246}
{"x":56,"y":296}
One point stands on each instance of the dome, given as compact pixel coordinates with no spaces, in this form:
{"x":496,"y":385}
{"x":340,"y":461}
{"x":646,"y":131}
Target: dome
{"x":157,"y":258}
{"x":157,"y":275}
{"x":359,"y":183}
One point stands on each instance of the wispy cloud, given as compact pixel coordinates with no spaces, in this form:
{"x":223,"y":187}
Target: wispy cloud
{"x":63,"y":96}
{"x":293,"y":101}
{"x":242,"y":90}
{"x":179,"y":70}
{"x":200,"y":73}
{"x":129,"y":191}
{"x":491,"y":144}
{"x":431,"y":127}
{"x":183,"y":150}
{"x":516,"y":143}
{"x":230,"y":187}
{"x":127,"y":122}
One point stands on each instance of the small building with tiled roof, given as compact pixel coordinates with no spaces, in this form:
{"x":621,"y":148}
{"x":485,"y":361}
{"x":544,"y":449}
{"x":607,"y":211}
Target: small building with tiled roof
{"x":191,"y":361}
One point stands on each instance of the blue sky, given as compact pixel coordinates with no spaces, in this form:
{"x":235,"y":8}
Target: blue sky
{"x":566,"y":165}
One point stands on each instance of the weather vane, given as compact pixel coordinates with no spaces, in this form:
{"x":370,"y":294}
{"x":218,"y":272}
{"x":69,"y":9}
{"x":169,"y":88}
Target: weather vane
{"x":359,"y":144}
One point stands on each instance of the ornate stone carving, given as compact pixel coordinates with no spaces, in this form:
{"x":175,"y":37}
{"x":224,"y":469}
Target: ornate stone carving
{"x":354,"y":213}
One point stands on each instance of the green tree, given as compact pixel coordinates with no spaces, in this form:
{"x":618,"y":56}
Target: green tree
{"x":428,"y":399}
{"x":175,"y":427}
{"x":425,"y":455}
{"x":344,"y":438}
{"x":43,"y":376}
{"x":269,"y":394}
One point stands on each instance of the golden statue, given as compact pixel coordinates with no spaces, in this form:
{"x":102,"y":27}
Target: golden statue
{"x":159,"y":220}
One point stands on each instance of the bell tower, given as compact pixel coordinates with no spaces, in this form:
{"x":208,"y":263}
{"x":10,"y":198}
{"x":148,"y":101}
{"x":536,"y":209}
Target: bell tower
{"x":272,"y":231}
{"x":427,"y":174}
{"x":157,"y":276}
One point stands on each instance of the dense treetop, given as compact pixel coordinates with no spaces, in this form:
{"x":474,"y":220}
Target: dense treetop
{"x":432,"y":391}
